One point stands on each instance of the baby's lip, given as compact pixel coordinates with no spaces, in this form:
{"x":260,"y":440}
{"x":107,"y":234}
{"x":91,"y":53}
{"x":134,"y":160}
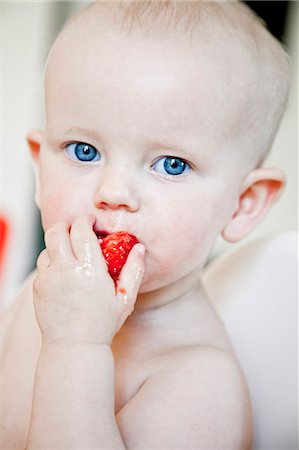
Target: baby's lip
{"x":101,"y":234}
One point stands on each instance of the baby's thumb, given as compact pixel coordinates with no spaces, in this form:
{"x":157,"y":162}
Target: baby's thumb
{"x":131,"y":276}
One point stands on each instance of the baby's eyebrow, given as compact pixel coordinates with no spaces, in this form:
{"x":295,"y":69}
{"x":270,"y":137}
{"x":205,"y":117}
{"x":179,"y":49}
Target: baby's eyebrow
{"x":53,"y":130}
{"x":183,"y":149}
{"x":90,"y":131}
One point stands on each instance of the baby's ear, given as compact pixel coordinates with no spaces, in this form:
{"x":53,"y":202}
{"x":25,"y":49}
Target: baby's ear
{"x":34,"y":139}
{"x":260,"y":190}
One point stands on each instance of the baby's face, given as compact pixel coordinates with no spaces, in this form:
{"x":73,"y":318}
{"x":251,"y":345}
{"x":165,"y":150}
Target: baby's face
{"x":137,"y":134}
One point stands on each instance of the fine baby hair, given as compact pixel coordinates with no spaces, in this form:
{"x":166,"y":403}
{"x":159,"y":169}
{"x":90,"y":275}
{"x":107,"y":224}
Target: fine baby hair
{"x":259,"y":68}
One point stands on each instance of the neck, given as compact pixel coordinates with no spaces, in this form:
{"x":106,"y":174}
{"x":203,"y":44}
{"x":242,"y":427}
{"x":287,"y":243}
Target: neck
{"x":161,"y":317}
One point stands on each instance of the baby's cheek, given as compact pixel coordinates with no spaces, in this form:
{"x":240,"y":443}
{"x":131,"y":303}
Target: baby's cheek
{"x":181,"y":244}
{"x":189,"y":240}
{"x":49,"y":219}
{"x":57,"y":205}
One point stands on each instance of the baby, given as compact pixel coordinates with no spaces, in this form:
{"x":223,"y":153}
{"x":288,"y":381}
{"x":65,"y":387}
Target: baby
{"x":159,"y":116}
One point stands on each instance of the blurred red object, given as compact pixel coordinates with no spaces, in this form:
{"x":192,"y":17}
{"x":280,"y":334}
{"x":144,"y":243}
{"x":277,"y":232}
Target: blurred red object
{"x":3,"y":240}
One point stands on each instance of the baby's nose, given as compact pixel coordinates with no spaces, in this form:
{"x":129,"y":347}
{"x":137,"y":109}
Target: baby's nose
{"x":116,"y":191}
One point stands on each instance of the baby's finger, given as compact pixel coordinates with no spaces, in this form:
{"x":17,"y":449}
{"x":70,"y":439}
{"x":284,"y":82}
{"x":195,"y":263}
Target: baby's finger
{"x":131,"y":277}
{"x":84,"y":241}
{"x":43,"y":261}
{"x":57,"y":240}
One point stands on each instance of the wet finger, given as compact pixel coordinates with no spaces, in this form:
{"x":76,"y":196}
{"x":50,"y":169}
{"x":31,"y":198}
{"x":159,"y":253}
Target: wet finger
{"x":84,"y":241}
{"x":57,"y":240}
{"x":131,"y":276}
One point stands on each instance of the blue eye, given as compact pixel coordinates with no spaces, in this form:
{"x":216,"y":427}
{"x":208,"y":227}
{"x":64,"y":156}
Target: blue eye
{"x":82,"y":152}
{"x":171,"y":165}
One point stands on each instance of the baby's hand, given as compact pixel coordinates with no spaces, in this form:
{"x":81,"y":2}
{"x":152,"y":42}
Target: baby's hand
{"x":75,"y":298}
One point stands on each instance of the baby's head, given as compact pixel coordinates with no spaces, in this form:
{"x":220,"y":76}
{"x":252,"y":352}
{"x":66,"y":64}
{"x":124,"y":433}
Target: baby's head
{"x":158,"y":117}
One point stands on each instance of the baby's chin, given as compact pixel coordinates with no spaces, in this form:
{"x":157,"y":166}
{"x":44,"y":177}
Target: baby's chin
{"x":152,"y":280}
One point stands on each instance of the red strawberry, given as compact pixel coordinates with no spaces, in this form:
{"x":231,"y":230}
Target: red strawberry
{"x":116,"y":248}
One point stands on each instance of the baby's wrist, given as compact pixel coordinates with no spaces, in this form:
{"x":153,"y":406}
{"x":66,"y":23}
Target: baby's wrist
{"x":79,"y":354}
{"x":68,"y":343}
{"x":79,"y":335}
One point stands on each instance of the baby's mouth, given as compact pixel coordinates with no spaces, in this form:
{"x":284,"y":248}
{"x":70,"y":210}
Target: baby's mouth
{"x":101,"y":234}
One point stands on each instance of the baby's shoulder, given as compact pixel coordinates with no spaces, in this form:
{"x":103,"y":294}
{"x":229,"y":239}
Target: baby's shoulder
{"x":207,"y":365}
{"x":194,"y":388}
{"x":200,"y":369}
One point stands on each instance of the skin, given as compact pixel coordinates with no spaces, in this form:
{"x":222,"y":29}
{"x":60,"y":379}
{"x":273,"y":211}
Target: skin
{"x":135,"y":101}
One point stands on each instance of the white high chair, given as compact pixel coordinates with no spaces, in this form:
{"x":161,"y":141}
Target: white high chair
{"x":255,"y":291}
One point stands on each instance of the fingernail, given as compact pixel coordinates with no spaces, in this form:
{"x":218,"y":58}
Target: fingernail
{"x":141,"y":250}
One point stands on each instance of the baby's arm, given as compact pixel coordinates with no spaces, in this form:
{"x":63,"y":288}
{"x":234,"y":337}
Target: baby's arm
{"x":73,"y":403}
{"x":78,"y":313}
